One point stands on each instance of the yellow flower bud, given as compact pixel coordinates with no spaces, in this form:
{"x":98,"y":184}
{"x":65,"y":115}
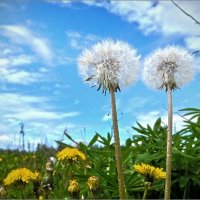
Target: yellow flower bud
{"x":73,"y":187}
{"x":93,"y":183}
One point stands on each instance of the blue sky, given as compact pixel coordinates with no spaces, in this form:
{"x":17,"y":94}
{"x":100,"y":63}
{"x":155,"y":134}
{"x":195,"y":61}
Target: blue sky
{"x":40,"y":42}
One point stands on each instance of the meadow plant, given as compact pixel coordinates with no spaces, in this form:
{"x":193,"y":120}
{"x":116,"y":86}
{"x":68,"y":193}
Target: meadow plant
{"x":47,"y":183}
{"x":150,"y":174}
{"x":169,"y":69}
{"x":74,"y":189}
{"x":94,"y":186}
{"x":111,"y":65}
{"x":68,"y":156}
{"x":20,"y":177}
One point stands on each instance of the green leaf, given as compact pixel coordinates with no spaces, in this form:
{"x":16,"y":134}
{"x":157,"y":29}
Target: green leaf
{"x":157,"y":125}
{"x":93,"y":140}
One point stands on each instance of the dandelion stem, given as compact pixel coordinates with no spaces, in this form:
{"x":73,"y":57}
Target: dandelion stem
{"x":169,"y":146}
{"x":22,"y":190}
{"x":146,"y":187}
{"x":70,"y":170}
{"x":118,"y":155}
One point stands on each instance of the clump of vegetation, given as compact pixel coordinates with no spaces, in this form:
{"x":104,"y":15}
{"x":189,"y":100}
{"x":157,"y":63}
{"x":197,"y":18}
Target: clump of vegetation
{"x":95,"y":176}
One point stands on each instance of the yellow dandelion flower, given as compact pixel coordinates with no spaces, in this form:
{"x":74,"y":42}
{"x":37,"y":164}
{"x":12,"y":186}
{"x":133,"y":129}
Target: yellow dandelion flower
{"x":73,"y":187}
{"x":151,"y":173}
{"x":70,"y":154}
{"x":21,"y":174}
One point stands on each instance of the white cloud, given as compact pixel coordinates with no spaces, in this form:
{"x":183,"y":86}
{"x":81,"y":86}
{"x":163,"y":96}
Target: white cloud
{"x":135,"y":103}
{"x":16,"y":60}
{"x":29,"y":108}
{"x":193,"y":42}
{"x":77,"y":101}
{"x":71,"y":114}
{"x":163,"y":17}
{"x":81,"y":41}
{"x":106,"y":117}
{"x":151,"y":117}
{"x":38,"y":114}
{"x":22,"y":35}
{"x":160,"y":17}
{"x":18,"y":76}
{"x":148,"y":118}
{"x":60,"y":2}
{"x":6,"y":141}
{"x":39,"y":117}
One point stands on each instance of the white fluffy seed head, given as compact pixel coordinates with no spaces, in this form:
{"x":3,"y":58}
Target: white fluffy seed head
{"x":109,"y":63}
{"x":172,"y":66}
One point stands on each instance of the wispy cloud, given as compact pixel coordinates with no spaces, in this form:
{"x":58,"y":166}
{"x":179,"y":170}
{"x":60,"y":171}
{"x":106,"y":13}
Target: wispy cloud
{"x":151,"y":117}
{"x":60,"y":2}
{"x":29,"y":108}
{"x":38,"y":115}
{"x":23,"y":36}
{"x":18,"y":76}
{"x":81,"y":41}
{"x":154,"y":17}
{"x":135,"y":103}
{"x":18,"y":60}
{"x":106,"y":117}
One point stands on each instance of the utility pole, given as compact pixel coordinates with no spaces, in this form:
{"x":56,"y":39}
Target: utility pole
{"x":22,"y":135}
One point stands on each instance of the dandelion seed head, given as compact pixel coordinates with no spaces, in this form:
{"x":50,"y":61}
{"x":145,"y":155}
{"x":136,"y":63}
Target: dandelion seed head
{"x":171,"y":65}
{"x":109,"y":63}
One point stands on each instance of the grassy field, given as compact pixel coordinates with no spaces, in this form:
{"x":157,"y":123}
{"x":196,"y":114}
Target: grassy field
{"x":90,"y":170}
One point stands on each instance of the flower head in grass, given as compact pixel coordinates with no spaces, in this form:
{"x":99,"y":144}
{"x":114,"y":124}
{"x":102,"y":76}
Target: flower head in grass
{"x":73,"y":187}
{"x":109,"y":64}
{"x":150,"y":173}
{"x":70,"y":154}
{"x":3,"y":192}
{"x":171,"y":67}
{"x":93,"y":183}
{"x":20,"y":175}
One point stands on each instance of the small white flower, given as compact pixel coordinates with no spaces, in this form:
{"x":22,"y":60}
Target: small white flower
{"x":172,"y":66}
{"x":109,"y":63}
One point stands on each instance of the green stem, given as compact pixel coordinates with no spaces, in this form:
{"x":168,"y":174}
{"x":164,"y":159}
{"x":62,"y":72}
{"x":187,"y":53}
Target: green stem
{"x":22,"y":191}
{"x":70,"y":171}
{"x":145,"y":192}
{"x":118,"y":155}
{"x":169,"y":146}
